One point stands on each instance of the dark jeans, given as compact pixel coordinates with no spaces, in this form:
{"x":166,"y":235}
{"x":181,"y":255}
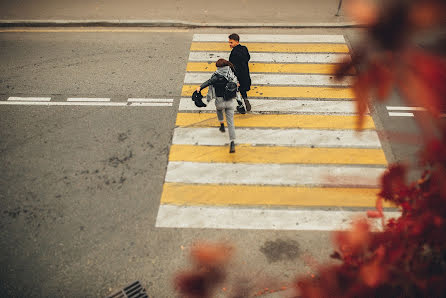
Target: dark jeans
{"x":243,"y":94}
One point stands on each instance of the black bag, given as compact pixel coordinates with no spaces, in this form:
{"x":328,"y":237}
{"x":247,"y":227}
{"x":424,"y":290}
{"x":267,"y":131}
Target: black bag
{"x":198,"y":99}
{"x":224,"y":88}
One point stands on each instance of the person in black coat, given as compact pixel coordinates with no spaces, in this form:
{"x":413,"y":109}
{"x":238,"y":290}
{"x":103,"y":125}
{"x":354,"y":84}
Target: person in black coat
{"x":240,"y":57}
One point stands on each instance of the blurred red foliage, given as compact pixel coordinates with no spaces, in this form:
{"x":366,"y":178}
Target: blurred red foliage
{"x":407,"y":258}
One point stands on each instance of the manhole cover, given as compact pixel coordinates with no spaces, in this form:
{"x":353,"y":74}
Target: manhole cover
{"x":135,"y":290}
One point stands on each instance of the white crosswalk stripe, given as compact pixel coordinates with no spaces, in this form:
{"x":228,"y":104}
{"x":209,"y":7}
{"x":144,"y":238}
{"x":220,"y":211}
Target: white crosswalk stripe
{"x":273,"y":57}
{"x":277,"y":79}
{"x":285,"y":105}
{"x":279,"y":137}
{"x":273,"y":38}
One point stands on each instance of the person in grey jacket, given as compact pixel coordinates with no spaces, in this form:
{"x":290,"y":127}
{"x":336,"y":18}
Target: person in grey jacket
{"x":224,"y":69}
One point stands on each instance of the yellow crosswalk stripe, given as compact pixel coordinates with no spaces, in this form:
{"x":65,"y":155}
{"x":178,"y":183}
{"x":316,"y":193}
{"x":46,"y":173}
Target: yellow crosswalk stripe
{"x":278,"y":155}
{"x":220,"y":195}
{"x":287,"y":92}
{"x":276,"y":121}
{"x":269,"y":68}
{"x":273,"y":47}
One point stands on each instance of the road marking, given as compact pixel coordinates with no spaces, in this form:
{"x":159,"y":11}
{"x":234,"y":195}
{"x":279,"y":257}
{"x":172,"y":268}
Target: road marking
{"x":150,"y":100}
{"x":396,"y":108}
{"x":247,"y":38}
{"x":274,"y":57}
{"x":250,"y":195}
{"x":305,"y":58}
{"x":403,"y":114}
{"x":270,"y":68}
{"x":102,"y":104}
{"x":273,"y":47}
{"x":12,"y":98}
{"x":273,"y":174}
{"x":150,"y":104}
{"x":287,"y":92}
{"x":299,"y":136}
{"x":278,"y":121}
{"x":278,"y":137}
{"x":288,"y":106}
{"x":397,"y":114}
{"x":171,"y":216}
{"x":277,"y":79}
{"x":85,"y":99}
{"x":276,"y":154}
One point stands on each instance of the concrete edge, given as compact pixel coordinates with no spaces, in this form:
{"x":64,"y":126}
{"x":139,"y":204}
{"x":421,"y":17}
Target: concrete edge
{"x":166,"y":23}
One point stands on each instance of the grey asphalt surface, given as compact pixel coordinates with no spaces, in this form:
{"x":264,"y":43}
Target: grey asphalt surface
{"x":189,"y":11}
{"x":80,"y":186}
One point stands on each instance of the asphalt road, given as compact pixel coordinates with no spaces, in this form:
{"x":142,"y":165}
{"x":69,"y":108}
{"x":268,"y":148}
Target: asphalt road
{"x":80,"y":185}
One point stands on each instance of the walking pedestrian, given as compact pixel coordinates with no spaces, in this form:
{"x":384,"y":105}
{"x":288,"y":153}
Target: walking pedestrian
{"x":240,"y":57}
{"x":223,"y":88}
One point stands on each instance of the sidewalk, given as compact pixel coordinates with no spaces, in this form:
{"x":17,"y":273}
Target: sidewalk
{"x":235,"y":13}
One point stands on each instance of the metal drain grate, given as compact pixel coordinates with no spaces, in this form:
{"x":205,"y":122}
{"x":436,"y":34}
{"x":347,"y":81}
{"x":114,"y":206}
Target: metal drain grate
{"x":135,"y":290}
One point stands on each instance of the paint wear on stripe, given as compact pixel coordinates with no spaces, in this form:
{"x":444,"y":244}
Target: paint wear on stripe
{"x":248,"y":195}
{"x":270,"y":68}
{"x":274,"y":57}
{"x":287,"y":92}
{"x":273,"y":174}
{"x":277,"y":79}
{"x":276,"y":121}
{"x":171,"y":216}
{"x":278,"y":155}
{"x":284,"y":106}
{"x":247,"y":38}
{"x":273,"y":47}
{"x":278,"y":137}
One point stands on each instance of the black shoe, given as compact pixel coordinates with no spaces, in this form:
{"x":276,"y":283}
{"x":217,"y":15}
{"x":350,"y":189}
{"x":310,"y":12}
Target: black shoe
{"x":222,"y":127}
{"x":247,"y":104}
{"x":232,"y":147}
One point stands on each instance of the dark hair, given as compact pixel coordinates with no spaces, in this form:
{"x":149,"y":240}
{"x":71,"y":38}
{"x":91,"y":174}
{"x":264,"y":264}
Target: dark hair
{"x":223,"y":62}
{"x":234,"y":36}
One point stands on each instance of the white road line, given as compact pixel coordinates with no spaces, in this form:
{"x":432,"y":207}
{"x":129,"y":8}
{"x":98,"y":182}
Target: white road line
{"x":277,"y":79}
{"x":150,"y":104}
{"x":170,"y":216}
{"x":29,"y":98}
{"x":289,"y":106}
{"x":272,"y":57}
{"x":273,"y":38}
{"x":103,"y":104}
{"x":273,"y":174}
{"x":210,"y":136}
{"x":396,"y":114}
{"x":150,"y":100}
{"x":84,"y":99}
{"x":396,"y":108}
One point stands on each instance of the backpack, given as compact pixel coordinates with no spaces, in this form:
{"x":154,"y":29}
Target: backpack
{"x":224,"y":88}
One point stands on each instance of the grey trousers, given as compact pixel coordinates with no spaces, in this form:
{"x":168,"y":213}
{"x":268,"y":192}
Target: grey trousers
{"x":228,"y":108}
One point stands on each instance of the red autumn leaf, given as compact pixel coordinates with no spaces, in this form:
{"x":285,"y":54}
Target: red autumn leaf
{"x":384,"y":80}
{"x":392,"y":181}
{"x":210,"y":254}
{"x":372,"y":274}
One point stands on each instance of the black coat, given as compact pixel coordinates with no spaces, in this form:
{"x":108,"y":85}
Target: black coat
{"x":240,"y":58}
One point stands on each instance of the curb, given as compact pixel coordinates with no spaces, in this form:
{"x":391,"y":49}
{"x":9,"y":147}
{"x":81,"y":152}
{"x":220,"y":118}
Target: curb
{"x":166,"y":23}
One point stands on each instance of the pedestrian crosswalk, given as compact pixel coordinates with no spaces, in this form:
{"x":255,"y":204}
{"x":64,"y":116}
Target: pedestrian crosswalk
{"x":299,"y":163}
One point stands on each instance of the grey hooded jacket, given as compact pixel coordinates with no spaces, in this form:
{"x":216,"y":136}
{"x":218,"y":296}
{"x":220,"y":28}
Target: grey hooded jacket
{"x":224,"y":71}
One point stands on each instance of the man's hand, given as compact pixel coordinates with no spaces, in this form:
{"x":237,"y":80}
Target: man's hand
{"x":198,"y":89}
